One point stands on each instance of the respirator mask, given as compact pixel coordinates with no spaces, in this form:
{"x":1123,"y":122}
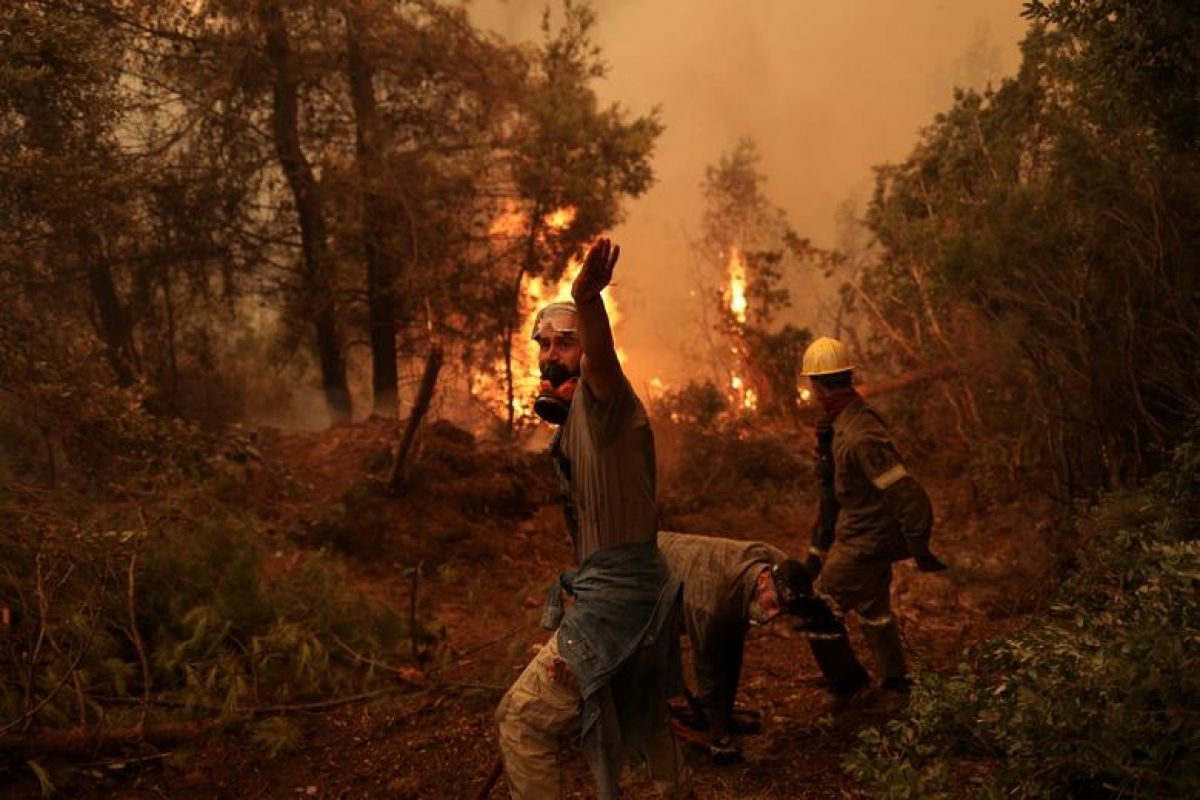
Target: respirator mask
{"x":558,"y":384}
{"x":553,"y":401}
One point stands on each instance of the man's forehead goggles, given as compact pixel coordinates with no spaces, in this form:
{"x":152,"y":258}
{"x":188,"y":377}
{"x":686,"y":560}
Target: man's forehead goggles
{"x":555,"y":318}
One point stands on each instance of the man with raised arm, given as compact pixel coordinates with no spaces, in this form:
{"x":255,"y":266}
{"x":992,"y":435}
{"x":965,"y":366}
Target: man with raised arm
{"x":607,"y":671}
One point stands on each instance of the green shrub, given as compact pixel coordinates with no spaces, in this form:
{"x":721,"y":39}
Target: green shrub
{"x":222,"y":630}
{"x":1097,"y":698}
{"x":223,"y":625}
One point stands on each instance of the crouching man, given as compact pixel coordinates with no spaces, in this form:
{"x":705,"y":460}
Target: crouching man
{"x":729,"y":585}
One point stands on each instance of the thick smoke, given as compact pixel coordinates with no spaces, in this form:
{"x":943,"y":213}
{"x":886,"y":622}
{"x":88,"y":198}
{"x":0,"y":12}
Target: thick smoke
{"x":827,"y":90}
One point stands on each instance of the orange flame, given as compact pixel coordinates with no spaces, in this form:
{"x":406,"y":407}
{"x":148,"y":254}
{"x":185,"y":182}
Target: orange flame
{"x":560,"y":219}
{"x":513,"y":222}
{"x":737,"y":286}
{"x":510,"y":222}
{"x":744,"y":396}
{"x":535,"y":293}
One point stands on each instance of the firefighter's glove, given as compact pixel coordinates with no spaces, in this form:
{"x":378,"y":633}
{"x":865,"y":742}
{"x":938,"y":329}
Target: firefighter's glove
{"x":928,"y":562}
{"x":814,"y":616}
{"x":812,"y":565}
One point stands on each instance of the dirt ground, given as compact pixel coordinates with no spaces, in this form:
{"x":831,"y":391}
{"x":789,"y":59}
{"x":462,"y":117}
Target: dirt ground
{"x":482,"y":524}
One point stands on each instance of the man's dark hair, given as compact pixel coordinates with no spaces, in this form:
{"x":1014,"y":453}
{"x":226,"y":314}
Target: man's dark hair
{"x":794,"y":587}
{"x":792,"y":582}
{"x":836,"y":381}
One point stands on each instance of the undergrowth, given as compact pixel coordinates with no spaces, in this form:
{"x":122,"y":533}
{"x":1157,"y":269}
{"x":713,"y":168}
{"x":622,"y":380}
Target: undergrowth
{"x":1096,"y":697}
{"x":148,"y":593}
{"x":713,"y":456}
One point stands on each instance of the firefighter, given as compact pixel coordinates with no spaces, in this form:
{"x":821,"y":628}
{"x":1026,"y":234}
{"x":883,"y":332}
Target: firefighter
{"x":872,"y":514}
{"x":729,"y":585}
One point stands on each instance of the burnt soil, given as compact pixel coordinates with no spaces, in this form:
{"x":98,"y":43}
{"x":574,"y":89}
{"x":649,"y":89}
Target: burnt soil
{"x":476,"y":538}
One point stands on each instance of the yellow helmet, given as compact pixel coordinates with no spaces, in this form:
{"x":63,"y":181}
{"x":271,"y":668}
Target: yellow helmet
{"x":825,"y":356}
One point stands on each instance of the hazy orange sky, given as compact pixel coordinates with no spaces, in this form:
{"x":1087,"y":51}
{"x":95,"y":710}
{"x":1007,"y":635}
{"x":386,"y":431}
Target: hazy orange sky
{"x":827,"y":89}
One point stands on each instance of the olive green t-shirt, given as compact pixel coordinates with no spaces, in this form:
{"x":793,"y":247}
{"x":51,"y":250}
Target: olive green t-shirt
{"x":612,"y":484}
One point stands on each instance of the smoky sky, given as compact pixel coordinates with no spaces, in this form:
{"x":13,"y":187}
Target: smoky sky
{"x":827,"y":90}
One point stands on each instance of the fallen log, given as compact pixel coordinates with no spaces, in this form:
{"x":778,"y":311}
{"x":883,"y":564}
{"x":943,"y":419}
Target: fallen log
{"x":87,"y":741}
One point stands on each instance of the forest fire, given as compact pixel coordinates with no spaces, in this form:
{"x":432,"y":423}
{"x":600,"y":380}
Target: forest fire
{"x":560,"y":218}
{"x":278,"y":517}
{"x":737,"y":286}
{"x":513,"y":222}
{"x":535,"y":292}
{"x":744,"y":396}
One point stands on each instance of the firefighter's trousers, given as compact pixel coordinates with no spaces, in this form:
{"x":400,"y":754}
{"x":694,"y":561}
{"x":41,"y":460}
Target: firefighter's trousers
{"x":864,"y":585}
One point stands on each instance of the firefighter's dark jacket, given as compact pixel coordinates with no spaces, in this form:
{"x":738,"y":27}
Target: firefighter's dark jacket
{"x":882,"y":511}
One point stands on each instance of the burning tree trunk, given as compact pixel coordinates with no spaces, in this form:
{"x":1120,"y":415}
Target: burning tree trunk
{"x":318,"y":282}
{"x":379,"y":218}
{"x":527,"y":264}
{"x":741,"y":380}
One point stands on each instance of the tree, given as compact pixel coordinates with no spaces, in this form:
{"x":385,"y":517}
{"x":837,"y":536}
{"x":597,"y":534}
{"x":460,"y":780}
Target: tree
{"x":427,"y":118}
{"x":1039,"y":235}
{"x":565,"y":154}
{"x":379,"y":215}
{"x":319,"y":300}
{"x":748,"y":242}
{"x":61,"y":103}
{"x":1135,"y":63}
{"x":338,"y":166}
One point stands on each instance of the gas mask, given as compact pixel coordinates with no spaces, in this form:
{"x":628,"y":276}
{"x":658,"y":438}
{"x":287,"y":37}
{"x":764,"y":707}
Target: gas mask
{"x":553,"y":401}
{"x":558,"y":384}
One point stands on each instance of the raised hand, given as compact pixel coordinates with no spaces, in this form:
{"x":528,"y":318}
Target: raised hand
{"x":596,"y":272}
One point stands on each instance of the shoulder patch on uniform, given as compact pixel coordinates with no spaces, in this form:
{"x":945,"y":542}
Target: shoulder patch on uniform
{"x":889,"y":477}
{"x":881,"y":463}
